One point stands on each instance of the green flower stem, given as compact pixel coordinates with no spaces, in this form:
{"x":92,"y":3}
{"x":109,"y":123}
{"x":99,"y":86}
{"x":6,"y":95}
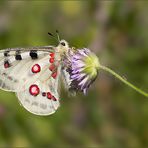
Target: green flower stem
{"x":123,"y":80}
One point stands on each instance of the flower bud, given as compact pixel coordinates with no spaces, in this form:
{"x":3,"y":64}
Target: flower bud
{"x":83,"y":69}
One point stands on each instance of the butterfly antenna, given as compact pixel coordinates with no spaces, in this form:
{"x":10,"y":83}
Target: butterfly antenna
{"x":53,"y":36}
{"x":57,"y":33}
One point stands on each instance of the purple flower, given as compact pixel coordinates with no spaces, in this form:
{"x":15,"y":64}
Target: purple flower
{"x":82,"y":65}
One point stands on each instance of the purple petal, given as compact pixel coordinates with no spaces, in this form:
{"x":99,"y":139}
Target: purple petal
{"x":77,"y":57}
{"x":75,"y":76}
{"x":85,"y":91}
{"x":78,"y":70}
{"x":78,"y":65}
{"x":83,"y":82}
{"x":81,"y":53}
{"x":77,"y":62}
{"x":83,"y":75}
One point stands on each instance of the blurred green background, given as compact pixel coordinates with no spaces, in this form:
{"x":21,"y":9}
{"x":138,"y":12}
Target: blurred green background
{"x":112,"y":114}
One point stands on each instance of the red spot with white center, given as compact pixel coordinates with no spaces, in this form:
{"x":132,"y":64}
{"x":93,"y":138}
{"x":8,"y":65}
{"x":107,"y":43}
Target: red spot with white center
{"x":6,"y":64}
{"x":52,"y":55}
{"x":51,"y":60}
{"x":36,"y":68}
{"x":34,"y":90}
{"x":51,"y":67}
{"x":49,"y":96}
{"x":54,"y":74}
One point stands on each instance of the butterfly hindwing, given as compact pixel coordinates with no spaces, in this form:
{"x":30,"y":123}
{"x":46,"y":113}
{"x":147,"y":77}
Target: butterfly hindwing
{"x":40,"y":95}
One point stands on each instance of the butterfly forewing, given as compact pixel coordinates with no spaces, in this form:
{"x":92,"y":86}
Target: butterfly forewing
{"x":15,"y":62}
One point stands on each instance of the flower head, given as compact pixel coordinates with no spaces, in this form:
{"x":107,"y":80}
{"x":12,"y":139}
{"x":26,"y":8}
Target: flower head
{"x":83,"y":69}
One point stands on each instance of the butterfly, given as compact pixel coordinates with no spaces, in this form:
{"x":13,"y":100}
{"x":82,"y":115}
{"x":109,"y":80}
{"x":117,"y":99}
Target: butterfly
{"x":33,"y":74}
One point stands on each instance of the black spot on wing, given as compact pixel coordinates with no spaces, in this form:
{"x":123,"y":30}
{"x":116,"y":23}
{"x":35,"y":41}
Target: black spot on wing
{"x":33,"y":54}
{"x":18,"y":57}
{"x":6,"y":53}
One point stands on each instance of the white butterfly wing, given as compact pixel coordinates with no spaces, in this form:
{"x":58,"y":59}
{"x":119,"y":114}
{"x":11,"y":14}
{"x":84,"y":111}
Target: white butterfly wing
{"x":66,"y":78}
{"x":14,"y":64}
{"x":18,"y":76}
{"x":46,"y":101}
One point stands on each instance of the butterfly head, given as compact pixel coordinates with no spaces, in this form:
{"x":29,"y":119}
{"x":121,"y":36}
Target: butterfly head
{"x":63,"y":47}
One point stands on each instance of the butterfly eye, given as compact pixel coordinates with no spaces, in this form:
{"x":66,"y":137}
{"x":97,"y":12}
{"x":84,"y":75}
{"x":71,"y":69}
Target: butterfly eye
{"x":62,"y":43}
